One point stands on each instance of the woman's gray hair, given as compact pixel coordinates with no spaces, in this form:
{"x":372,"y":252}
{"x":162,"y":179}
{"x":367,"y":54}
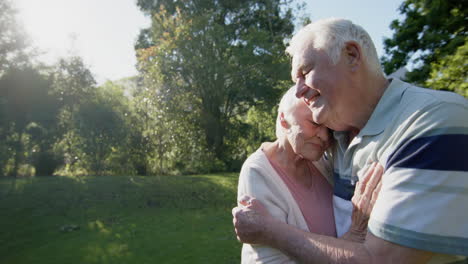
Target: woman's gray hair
{"x":330,"y":35}
{"x":286,"y":106}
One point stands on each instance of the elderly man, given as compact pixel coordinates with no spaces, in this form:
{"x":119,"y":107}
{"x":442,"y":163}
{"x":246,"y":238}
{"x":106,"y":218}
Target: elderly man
{"x":419,"y":135}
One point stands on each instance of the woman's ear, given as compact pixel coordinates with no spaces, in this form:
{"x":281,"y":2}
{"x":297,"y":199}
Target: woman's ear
{"x":283,"y":121}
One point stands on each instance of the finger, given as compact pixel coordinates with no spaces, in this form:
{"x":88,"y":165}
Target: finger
{"x":376,"y":175}
{"x":234,"y":222}
{"x":235,"y":210}
{"x":368,"y":172}
{"x":374,"y":179}
{"x":254,"y":202}
{"x":367,"y":176}
{"x":244,"y":203}
{"x":244,"y":200}
{"x":360,"y":189}
{"x":375,"y":193}
{"x":354,"y":199}
{"x":373,"y":200}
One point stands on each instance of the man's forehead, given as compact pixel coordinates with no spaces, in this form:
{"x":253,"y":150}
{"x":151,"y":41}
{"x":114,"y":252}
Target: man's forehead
{"x":302,"y":58}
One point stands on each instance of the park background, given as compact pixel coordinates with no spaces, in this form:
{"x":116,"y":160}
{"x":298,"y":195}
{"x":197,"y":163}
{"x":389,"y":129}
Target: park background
{"x":107,"y":157}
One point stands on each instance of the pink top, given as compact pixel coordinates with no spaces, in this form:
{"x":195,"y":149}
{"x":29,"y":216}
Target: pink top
{"x":315,"y":202}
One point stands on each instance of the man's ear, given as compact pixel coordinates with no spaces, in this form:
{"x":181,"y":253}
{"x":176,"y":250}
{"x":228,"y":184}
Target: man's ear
{"x":283,"y":121}
{"x":353,"y":54}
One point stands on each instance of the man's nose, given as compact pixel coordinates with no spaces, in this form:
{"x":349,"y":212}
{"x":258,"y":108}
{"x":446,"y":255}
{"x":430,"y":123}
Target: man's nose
{"x":301,"y":88}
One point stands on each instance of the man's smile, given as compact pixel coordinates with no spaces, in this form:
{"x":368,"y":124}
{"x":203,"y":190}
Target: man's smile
{"x":310,"y":96}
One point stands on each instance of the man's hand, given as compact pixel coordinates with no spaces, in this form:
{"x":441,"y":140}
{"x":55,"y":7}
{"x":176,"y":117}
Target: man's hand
{"x":251,"y":220}
{"x":254,"y":225}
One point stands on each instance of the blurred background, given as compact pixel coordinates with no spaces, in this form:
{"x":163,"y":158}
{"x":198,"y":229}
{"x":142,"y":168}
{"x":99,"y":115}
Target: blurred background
{"x":142,"y":113}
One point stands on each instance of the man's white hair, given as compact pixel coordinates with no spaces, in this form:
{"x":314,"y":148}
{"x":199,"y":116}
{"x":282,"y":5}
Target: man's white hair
{"x":286,"y":106}
{"x":330,"y":35}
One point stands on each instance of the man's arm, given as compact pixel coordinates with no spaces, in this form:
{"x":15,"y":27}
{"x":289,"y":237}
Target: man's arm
{"x":312,"y":248}
{"x":253,"y":224}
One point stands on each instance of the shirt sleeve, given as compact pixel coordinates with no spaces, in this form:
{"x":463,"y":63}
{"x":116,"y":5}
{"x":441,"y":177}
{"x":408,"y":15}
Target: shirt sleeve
{"x":423,"y":202}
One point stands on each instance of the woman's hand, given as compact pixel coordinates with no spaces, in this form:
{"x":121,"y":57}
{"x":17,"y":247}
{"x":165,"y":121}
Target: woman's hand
{"x":365,"y":195}
{"x":250,"y":219}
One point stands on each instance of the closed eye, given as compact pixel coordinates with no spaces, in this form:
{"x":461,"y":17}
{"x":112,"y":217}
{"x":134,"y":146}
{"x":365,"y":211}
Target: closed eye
{"x":307,"y":69}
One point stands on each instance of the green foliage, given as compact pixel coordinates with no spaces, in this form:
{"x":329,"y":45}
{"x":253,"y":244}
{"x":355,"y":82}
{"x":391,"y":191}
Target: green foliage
{"x":430,"y":31}
{"x":211,"y":61}
{"x":100,"y":125}
{"x":166,"y":140}
{"x":450,"y":73}
{"x":13,"y":41}
{"x":262,"y":123}
{"x":211,"y":73}
{"x":28,"y":110}
{"x":74,"y":85}
{"x":73,"y":82}
{"x":252,"y":129}
{"x":163,"y":219}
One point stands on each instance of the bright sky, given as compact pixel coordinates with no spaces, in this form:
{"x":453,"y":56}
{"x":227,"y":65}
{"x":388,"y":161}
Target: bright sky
{"x":374,"y":16}
{"x":103,"y":32}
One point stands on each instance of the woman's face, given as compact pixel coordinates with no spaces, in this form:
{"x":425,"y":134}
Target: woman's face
{"x":307,"y":139}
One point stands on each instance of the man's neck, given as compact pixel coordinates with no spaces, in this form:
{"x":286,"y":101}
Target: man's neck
{"x":352,"y":134}
{"x":375,"y":88}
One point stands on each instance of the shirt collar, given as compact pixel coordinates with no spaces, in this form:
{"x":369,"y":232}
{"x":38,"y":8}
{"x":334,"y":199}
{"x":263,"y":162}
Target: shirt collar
{"x":386,"y":109}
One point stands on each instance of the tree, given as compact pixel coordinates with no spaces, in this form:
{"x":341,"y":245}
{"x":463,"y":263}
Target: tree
{"x":450,"y":73}
{"x":13,"y":40}
{"x":29,"y":110}
{"x":100,"y":125}
{"x":430,"y":31}
{"x":73,"y":84}
{"x":215,"y":59}
{"x":153,"y":134}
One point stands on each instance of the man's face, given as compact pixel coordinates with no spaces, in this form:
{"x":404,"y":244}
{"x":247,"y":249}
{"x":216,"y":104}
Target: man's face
{"x":321,"y":84}
{"x":307,"y":139}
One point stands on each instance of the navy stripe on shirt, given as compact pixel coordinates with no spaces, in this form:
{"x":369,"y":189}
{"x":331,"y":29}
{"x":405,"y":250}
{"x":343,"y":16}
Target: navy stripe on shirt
{"x":343,"y":187}
{"x":441,"y":152}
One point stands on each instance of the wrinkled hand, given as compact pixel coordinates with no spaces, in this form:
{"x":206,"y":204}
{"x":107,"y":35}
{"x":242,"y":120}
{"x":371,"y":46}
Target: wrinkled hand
{"x":250,"y":219}
{"x":366,"y":193}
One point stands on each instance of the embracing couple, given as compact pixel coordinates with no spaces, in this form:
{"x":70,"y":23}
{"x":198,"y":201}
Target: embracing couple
{"x":365,"y":169}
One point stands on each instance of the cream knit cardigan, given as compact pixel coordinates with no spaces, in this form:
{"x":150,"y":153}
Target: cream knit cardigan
{"x":260,"y":180}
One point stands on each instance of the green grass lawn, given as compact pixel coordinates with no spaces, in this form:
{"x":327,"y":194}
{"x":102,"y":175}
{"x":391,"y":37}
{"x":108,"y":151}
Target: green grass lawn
{"x":166,"y":219}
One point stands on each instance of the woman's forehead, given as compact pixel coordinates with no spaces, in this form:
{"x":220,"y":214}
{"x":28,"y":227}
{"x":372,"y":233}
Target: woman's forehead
{"x":301,"y":110}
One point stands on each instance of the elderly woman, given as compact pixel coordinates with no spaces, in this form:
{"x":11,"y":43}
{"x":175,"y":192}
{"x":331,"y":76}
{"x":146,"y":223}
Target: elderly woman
{"x":293,"y":179}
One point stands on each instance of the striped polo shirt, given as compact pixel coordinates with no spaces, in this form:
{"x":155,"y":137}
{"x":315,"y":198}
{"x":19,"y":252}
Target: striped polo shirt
{"x":420,"y":136}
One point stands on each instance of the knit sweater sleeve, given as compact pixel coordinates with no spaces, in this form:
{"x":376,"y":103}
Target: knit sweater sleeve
{"x":255,"y":181}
